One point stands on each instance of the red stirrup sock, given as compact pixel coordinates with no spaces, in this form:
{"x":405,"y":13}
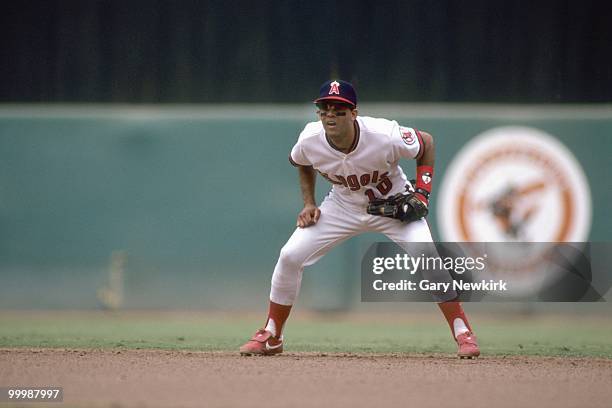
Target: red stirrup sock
{"x":277,"y":315}
{"x":455,"y":316}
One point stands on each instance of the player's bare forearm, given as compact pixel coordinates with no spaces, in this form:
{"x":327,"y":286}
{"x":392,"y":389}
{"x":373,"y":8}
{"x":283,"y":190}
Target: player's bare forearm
{"x":429,"y":151}
{"x":308,"y":178}
{"x":310,"y":213}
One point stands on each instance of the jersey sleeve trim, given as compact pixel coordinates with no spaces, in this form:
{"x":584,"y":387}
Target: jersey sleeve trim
{"x":421,"y":145}
{"x":294,"y":164}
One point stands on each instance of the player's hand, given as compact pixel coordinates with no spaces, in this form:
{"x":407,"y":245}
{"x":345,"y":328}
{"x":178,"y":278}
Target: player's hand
{"x":308,"y":216}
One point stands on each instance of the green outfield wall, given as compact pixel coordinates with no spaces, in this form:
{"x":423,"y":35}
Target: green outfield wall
{"x":199,"y":200}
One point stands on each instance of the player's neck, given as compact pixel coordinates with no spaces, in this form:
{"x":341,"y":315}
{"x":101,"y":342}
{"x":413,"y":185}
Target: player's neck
{"x":344,"y":141}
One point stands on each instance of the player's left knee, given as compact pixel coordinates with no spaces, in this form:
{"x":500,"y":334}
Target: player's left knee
{"x":290,"y":259}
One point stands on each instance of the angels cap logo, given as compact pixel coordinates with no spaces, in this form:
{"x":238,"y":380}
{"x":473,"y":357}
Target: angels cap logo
{"x":334,"y":88}
{"x":515,"y":184}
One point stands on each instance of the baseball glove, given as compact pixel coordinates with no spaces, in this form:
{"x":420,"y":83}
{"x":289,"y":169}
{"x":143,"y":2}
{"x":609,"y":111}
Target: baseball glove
{"x":405,"y":207}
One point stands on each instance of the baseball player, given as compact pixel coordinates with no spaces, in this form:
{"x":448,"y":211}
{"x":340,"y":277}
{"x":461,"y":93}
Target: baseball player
{"x":359,"y":156}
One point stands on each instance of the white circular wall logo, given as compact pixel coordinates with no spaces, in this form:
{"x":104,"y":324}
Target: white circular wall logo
{"x":515,"y":184}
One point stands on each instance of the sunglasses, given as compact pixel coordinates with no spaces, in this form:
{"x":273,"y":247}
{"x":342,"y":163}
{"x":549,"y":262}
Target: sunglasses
{"x":340,"y":109}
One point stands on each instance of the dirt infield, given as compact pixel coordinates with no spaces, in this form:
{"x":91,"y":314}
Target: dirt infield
{"x":137,"y":378}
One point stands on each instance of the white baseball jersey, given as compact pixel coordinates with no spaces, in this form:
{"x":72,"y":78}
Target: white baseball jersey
{"x":371,"y":169}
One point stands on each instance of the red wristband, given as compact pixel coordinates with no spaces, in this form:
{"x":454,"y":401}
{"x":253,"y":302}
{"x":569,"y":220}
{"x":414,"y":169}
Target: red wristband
{"x":424,"y":178}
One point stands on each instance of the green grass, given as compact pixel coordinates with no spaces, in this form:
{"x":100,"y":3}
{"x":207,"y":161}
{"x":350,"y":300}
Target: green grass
{"x":329,"y":334}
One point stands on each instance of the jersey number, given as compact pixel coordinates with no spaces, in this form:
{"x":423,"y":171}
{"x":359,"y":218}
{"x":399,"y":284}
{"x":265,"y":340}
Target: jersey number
{"x":384,"y":187}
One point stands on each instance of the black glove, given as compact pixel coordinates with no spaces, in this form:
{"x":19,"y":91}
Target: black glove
{"x":405,"y":207}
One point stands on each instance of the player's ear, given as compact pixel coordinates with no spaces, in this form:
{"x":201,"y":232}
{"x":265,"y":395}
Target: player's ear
{"x":354,"y":113}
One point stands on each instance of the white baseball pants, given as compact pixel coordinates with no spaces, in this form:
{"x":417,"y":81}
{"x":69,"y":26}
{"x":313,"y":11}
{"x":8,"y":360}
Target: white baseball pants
{"x":337,"y":223}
